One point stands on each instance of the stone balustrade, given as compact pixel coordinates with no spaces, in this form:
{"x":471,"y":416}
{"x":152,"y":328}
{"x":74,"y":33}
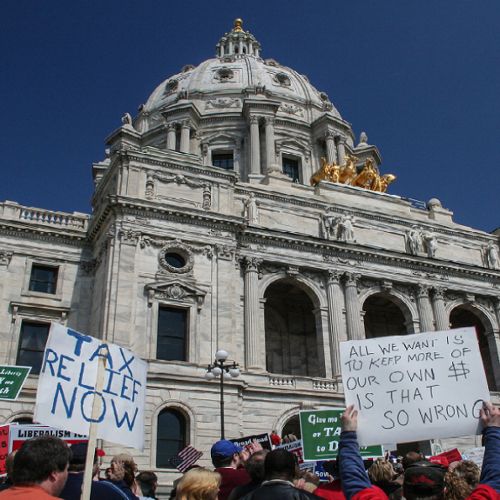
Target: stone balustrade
{"x":13,"y":211}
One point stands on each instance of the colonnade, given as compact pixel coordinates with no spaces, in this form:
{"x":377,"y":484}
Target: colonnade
{"x":345,"y":315}
{"x":255,"y":162}
{"x":185,"y":126}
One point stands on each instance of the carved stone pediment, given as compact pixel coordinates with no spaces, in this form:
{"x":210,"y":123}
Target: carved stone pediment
{"x":175,"y":289}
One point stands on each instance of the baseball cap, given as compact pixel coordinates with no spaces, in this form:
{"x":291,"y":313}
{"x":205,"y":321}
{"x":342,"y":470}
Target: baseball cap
{"x":224,"y":449}
{"x":79,"y":451}
{"x":423,"y":479}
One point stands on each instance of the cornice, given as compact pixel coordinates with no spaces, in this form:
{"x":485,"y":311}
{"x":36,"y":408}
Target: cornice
{"x":49,"y":234}
{"x":343,"y":250}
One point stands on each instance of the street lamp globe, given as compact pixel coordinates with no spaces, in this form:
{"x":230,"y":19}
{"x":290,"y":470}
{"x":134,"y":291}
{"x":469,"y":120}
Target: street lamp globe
{"x":221,"y":355}
{"x":209,"y":376}
{"x":234,"y":372}
{"x":227,"y":377}
{"x":216,"y":371}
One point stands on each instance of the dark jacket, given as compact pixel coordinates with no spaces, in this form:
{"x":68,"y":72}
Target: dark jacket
{"x":100,"y":490}
{"x":277,"y":489}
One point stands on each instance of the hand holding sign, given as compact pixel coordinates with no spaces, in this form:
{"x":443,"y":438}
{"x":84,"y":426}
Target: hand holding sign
{"x":433,"y":383}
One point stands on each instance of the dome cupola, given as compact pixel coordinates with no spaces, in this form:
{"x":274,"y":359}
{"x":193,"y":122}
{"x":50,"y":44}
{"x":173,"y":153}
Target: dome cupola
{"x":238,"y":42}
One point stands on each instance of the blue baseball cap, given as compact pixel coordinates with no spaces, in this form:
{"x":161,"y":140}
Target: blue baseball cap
{"x":224,"y":449}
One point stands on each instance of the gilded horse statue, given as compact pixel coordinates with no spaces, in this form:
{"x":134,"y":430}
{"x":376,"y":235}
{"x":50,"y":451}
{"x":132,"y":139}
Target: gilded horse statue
{"x":368,"y":178}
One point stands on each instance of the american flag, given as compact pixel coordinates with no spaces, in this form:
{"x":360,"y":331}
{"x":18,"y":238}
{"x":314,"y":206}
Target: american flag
{"x":185,"y":458}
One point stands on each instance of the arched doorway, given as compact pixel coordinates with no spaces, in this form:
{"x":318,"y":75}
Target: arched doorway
{"x":291,"y":331}
{"x":383,"y":317}
{"x":292,"y":426}
{"x":462,"y":317}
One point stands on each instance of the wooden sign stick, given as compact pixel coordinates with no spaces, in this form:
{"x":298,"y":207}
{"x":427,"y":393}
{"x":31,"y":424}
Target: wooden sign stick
{"x":96,"y":411}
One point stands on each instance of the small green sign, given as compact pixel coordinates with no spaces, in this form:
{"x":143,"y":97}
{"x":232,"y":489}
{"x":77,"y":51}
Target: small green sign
{"x":12,"y":379}
{"x":321,"y":435}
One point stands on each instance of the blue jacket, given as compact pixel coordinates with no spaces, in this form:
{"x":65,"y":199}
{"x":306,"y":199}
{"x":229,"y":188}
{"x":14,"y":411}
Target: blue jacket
{"x":100,"y":490}
{"x":356,"y":484}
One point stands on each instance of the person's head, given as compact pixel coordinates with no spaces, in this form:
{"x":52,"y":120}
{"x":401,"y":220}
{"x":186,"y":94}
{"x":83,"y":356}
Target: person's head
{"x":198,"y":484}
{"x":469,"y":471}
{"x":225,"y":454}
{"x":381,"y":470}
{"x":280,"y":464}
{"x":42,"y":461}
{"x":255,"y":465}
{"x":126,"y":462}
{"x":411,"y":458}
{"x":148,"y":481}
{"x":424,"y":480}
{"x":79,"y":457}
{"x":9,"y":463}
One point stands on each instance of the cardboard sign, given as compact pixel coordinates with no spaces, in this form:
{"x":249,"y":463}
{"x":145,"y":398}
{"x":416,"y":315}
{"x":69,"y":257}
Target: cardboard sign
{"x":263,"y":439}
{"x":67,"y":383}
{"x":320,"y":430}
{"x":451,"y":455}
{"x":418,"y":387}
{"x":17,"y":434}
{"x":12,"y":379}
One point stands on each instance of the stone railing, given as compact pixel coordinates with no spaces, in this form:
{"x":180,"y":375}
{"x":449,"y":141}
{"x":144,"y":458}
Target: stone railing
{"x":13,"y":211}
{"x":281,"y":381}
{"x":324,"y":385}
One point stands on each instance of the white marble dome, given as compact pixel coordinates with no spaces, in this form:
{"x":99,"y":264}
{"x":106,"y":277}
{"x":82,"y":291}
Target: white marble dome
{"x":241,"y":112}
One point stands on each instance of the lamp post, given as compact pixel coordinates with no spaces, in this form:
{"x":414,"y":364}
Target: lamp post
{"x":226,"y":372}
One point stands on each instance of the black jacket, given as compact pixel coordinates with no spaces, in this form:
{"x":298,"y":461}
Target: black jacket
{"x":279,"y":490}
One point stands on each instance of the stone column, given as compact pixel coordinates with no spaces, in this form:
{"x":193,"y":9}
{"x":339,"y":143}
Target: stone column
{"x":424,"y":309}
{"x":254,"y":145}
{"x":171,"y":136}
{"x":270,"y":153}
{"x":252,"y":339}
{"x":353,"y":310}
{"x":341,"y":149}
{"x":331,"y":150}
{"x":335,"y":312}
{"x":185,"y":129}
{"x":440,"y":315}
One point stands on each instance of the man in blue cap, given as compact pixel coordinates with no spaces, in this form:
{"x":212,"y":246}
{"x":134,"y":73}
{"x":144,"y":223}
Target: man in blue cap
{"x":101,"y":490}
{"x":227,"y":462}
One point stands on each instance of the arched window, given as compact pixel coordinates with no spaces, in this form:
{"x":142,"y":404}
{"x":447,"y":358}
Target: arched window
{"x":291,"y":331}
{"x":171,"y":436}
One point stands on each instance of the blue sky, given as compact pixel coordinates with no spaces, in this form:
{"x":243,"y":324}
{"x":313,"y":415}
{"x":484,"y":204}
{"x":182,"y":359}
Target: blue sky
{"x":421,"y":78}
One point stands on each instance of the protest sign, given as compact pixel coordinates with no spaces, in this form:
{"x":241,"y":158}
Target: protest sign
{"x":4,"y":447}
{"x":67,"y":383}
{"x":430,"y":383}
{"x":320,"y":430}
{"x":294,"y":447}
{"x":476,"y":455}
{"x":17,"y":434}
{"x":450,"y":455}
{"x":263,"y":439}
{"x":12,"y":379}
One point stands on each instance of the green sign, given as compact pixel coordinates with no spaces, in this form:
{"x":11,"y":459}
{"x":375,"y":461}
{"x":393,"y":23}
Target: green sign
{"x":12,"y":379}
{"x":321,"y":435}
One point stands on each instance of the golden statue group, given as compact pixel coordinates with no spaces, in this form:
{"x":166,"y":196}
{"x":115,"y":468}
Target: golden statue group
{"x":368,"y":178}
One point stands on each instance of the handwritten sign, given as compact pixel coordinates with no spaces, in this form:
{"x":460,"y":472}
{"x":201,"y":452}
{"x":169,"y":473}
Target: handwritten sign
{"x":423,"y":386}
{"x":4,"y":448}
{"x":320,"y":430}
{"x":476,"y":455}
{"x":263,"y":439}
{"x":67,"y":383}
{"x":12,"y":379}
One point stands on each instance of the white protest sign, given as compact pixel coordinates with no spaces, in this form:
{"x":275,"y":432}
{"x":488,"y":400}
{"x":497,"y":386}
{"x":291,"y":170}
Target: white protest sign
{"x":415,"y":387}
{"x":66,"y":388}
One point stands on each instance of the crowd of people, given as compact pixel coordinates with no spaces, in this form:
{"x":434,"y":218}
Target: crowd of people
{"x":45,"y":467}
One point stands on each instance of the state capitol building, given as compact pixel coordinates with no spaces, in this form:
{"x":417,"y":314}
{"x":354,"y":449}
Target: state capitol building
{"x":238,"y":210}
